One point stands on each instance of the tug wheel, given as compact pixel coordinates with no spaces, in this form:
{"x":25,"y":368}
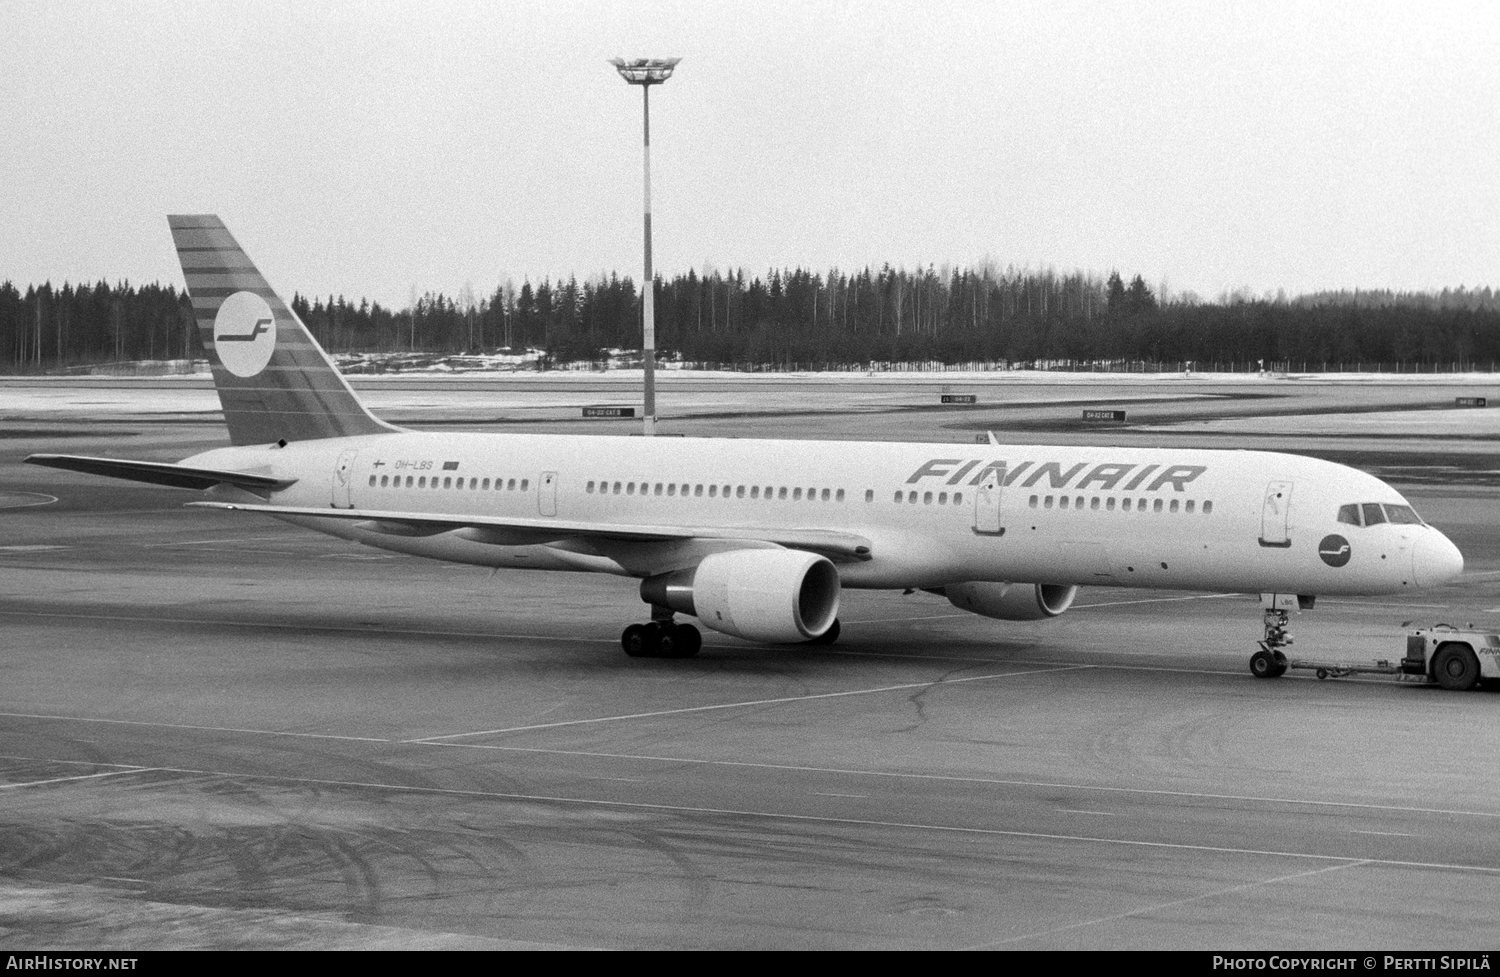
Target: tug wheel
{"x":1455,"y":667}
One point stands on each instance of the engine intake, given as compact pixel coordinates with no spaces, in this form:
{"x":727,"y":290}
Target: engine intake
{"x":773,"y":595}
{"x":1011,"y":601}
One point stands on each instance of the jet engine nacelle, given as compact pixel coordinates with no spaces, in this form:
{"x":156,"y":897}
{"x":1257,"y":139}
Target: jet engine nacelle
{"x":772,"y":595}
{"x":1011,"y":601}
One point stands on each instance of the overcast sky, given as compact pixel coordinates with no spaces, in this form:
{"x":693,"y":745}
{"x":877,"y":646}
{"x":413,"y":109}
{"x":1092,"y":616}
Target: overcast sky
{"x":366,"y":148}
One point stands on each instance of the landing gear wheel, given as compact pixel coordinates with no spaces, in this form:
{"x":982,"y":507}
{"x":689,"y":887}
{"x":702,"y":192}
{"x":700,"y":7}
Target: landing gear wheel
{"x":1263,"y":664}
{"x":1455,"y":668}
{"x":639,"y":640}
{"x":684,"y":642}
{"x":827,"y":637}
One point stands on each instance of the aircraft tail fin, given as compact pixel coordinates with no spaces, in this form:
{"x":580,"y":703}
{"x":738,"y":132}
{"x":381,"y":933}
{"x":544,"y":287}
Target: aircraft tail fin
{"x":274,"y":380}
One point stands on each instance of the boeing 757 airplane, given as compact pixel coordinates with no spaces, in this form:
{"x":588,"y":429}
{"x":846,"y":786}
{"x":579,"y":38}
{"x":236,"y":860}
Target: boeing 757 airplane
{"x":756,"y":538}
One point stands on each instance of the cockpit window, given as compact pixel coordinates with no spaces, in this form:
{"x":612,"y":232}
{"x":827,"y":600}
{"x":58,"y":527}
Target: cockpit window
{"x":1373,"y":514}
{"x":1403,"y":514}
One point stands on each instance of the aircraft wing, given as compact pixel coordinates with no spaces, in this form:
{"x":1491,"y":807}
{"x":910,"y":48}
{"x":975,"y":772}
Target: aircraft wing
{"x":506,"y":531}
{"x":160,"y":473}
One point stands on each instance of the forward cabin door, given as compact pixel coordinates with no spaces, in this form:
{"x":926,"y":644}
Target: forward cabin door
{"x":1276,"y":516}
{"x":343,"y":479}
{"x":987,"y":504}
{"x":546,"y":494}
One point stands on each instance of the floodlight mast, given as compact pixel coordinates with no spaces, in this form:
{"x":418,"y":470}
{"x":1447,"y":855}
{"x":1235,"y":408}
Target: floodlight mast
{"x":647,"y":72}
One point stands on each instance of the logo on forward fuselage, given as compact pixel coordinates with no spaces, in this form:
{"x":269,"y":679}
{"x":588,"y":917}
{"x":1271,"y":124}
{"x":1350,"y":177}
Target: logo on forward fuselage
{"x":244,"y":334}
{"x":1334,"y":550}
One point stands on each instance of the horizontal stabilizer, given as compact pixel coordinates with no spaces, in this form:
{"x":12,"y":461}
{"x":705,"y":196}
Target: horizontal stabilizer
{"x":160,"y":473}
{"x":838,"y":546}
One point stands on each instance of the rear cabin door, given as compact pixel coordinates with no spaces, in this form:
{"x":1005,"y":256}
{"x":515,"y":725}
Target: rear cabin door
{"x":343,"y":479}
{"x":1276,"y":515}
{"x":987,"y":505}
{"x":546,"y":494}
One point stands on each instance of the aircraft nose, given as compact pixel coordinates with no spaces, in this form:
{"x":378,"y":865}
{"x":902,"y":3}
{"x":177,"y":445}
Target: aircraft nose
{"x":1435,"y":560}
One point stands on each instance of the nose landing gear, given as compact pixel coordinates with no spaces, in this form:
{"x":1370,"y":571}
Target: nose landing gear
{"x":1269,"y":661}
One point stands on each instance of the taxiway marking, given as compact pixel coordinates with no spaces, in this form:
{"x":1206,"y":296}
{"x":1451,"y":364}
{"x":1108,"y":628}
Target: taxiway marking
{"x":237,"y":539}
{"x":1387,"y":605}
{"x":951,"y":778}
{"x":309,"y":627}
{"x":1352,"y":863}
{"x":745,"y":704}
{"x":201,"y":729}
{"x":7,"y":499}
{"x":82,"y":776}
{"x":804,"y":768}
{"x":1344,"y":860}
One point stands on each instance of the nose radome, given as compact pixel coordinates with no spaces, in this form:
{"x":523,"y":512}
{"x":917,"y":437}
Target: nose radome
{"x":1435,"y":560}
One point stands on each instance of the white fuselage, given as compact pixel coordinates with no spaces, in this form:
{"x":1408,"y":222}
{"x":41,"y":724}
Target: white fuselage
{"x":934,"y":514}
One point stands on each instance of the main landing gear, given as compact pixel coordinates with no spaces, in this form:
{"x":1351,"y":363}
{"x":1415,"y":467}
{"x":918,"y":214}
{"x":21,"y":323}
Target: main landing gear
{"x":661,"y":638}
{"x":1269,"y":661}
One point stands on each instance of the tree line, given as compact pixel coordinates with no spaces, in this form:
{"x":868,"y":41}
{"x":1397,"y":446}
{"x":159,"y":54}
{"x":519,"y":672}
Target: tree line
{"x":948,"y":315}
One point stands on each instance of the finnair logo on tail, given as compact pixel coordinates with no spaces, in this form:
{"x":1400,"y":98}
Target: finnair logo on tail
{"x":261,"y":325}
{"x":244,"y":334}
